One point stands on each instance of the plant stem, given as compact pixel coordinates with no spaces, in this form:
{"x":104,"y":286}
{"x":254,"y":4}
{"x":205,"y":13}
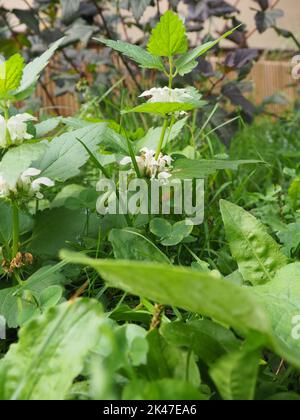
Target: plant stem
{"x":162,"y":137}
{"x":171,"y":72}
{"x":16,"y":229}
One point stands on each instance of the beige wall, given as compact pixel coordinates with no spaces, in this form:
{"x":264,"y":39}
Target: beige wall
{"x":270,"y":39}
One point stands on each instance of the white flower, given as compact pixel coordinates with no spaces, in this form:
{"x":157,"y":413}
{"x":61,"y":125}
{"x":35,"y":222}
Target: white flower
{"x":32,"y":187}
{"x":126,"y":161}
{"x":166,"y":94}
{"x":25,"y":178}
{"x":2,"y":132}
{"x":4,"y":188}
{"x":149,"y":166}
{"x":17,"y":127}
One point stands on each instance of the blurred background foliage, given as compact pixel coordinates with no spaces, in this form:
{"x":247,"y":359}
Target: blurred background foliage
{"x":89,"y":71}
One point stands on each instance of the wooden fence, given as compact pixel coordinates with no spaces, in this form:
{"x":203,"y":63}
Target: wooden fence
{"x":268,"y":77}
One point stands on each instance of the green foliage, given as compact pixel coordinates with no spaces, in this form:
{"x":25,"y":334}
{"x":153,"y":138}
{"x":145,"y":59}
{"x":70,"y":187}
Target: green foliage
{"x":131,"y":245}
{"x":65,"y":155}
{"x":170,"y":311}
{"x":168,"y":37}
{"x":137,"y":54}
{"x":54,"y":343}
{"x":39,"y":292}
{"x":187,"y":62}
{"x":11,"y":72}
{"x":246,"y":310}
{"x":257,"y":254}
{"x":204,"y":293}
{"x":189,"y":169}
{"x":165,"y":108}
{"x":170,"y":235}
{"x":33,"y":70}
{"x":235,"y":374}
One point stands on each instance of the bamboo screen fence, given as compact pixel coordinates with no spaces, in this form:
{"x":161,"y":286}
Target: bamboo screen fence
{"x":268,"y":77}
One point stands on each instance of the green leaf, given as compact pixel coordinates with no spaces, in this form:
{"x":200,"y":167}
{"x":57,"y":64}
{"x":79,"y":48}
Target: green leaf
{"x":168,"y":37}
{"x":137,"y":345}
{"x":268,"y":310}
{"x":180,"y":231}
{"x":164,"y":108}
{"x":65,"y":155}
{"x":32,"y":70}
{"x":189,"y":169}
{"x":170,"y":235}
{"x":151,"y":139}
{"x":187,"y":62}
{"x":20,"y":158}
{"x":6,"y":222}
{"x":137,"y":54}
{"x":290,"y":237}
{"x":235,"y":374}
{"x":167,"y":361}
{"x":193,"y":291}
{"x":161,"y":228}
{"x":11,"y":72}
{"x":258,"y":256}
{"x":76,"y":197}
{"x":132,"y":245}
{"x":163,"y":390}
{"x":281,"y":299}
{"x":207,"y":339}
{"x":60,"y":226}
{"x":51,"y":352}
{"x":12,"y":302}
{"x":45,"y":127}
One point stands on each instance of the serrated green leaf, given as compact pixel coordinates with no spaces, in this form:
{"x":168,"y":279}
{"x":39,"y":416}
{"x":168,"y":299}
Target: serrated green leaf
{"x":168,"y":37}
{"x":136,"y":53}
{"x":11,"y":72}
{"x":51,"y":352}
{"x":65,"y":155}
{"x":258,"y":255}
{"x":32,"y":70}
{"x":187,"y":62}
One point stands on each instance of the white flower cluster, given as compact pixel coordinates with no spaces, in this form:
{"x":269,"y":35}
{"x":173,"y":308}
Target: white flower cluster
{"x":149,"y":166}
{"x":26,"y":184}
{"x":16,"y":127}
{"x":166,"y":95}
